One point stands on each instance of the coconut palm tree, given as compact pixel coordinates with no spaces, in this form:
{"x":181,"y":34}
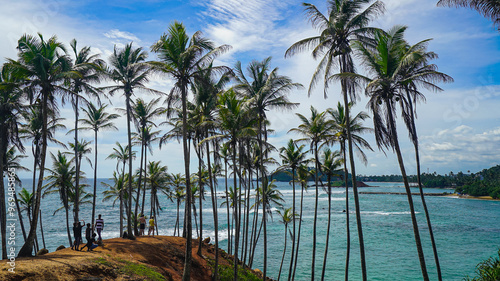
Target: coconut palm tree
{"x":89,"y":70}
{"x":177,"y":181}
{"x":345,"y":22}
{"x":61,"y":180}
{"x":487,"y":8}
{"x":96,"y":119}
{"x":183,"y":58}
{"x":121,"y":154}
{"x":157,"y":179}
{"x":339,"y":132}
{"x":11,"y":98}
{"x":315,"y":130}
{"x":292,"y":156}
{"x":117,"y":191}
{"x":26,"y":201}
{"x":386,"y":60}
{"x":266,"y":90}
{"x":131,"y":72}
{"x":286,"y":216}
{"x":330,"y":166}
{"x":45,"y":66}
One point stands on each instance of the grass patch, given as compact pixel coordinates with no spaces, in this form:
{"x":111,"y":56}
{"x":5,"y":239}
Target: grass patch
{"x":226,"y":272}
{"x":131,"y":268}
{"x":103,"y":261}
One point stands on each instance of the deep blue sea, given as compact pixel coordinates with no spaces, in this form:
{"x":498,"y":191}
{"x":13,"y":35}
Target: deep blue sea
{"x":467,"y":231}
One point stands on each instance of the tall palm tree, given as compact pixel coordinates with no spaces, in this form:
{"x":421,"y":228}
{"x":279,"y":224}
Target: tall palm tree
{"x":315,"y":130}
{"x":26,"y":201}
{"x":157,"y":179}
{"x":286,"y":216}
{"x":121,"y":155}
{"x":292,"y":156}
{"x":45,"y":65}
{"x":487,"y":8}
{"x":61,"y":180}
{"x":131,"y":72}
{"x":117,"y":191}
{"x":11,"y":98}
{"x":89,"y":69}
{"x":266,"y":90}
{"x":339,"y":131}
{"x":182,"y":58}
{"x":386,"y":60}
{"x":177,"y":181}
{"x":330,"y":166}
{"x":143,"y":113}
{"x":96,"y":119}
{"x":345,"y":22}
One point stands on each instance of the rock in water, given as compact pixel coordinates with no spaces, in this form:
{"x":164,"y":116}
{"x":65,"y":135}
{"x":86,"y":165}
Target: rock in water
{"x":60,"y":248}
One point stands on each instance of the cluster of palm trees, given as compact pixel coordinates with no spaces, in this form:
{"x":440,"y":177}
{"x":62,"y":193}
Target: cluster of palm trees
{"x":224,"y":122}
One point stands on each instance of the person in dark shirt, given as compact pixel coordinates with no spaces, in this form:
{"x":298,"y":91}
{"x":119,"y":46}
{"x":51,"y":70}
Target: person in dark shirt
{"x":77,"y":233}
{"x":88,"y":236}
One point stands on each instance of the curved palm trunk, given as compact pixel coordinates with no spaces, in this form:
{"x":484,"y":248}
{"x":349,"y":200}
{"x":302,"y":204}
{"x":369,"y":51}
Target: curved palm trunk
{"x":343,"y":69}
{"x":186,"y":275}
{"x":26,"y":249}
{"x":20,"y":216}
{"x":129,"y":136}
{"x":315,"y":209}
{"x":328,"y":226}
{"x":408,"y":192}
{"x":283,"y":256}
{"x":417,"y":160}
{"x":298,"y":233}
{"x":67,"y":226}
{"x":95,"y":179}
{"x":216,"y":220}
{"x":41,"y":230}
{"x":348,"y":232}
{"x":293,"y":222}
{"x":3,"y":211}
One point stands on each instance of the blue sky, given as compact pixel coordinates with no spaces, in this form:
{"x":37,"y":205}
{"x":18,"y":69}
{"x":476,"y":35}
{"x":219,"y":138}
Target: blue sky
{"x":459,"y":128}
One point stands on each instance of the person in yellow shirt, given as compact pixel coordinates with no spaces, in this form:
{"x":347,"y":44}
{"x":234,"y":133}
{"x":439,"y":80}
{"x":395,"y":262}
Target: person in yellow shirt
{"x":151,"y":226}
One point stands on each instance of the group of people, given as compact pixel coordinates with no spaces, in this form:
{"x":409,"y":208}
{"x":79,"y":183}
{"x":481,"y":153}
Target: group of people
{"x":89,"y":234}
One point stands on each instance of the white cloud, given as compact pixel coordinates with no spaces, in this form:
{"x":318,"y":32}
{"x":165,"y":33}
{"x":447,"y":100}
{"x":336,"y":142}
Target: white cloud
{"x":117,"y":34}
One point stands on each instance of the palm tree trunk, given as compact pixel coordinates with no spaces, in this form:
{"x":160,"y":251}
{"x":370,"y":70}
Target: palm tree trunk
{"x":144,"y":186}
{"x":41,"y":230}
{"x":298,"y":233}
{"x":77,"y":164}
{"x":129,"y":136}
{"x":408,"y":192}
{"x":343,"y":69}
{"x":247,"y":220}
{"x":95,"y":180}
{"x":136,"y":231}
{"x":214,"y":208}
{"x":236,"y":216}
{"x":283,"y":256}
{"x":67,"y":227}
{"x":186,"y":275}
{"x":20,"y":216}
{"x":3,"y":211}
{"x":315,"y":209}
{"x":200,"y":184}
{"x":121,"y":212}
{"x":348,"y":232}
{"x":293,"y":222}
{"x":328,"y":225}
{"x":27,"y":248}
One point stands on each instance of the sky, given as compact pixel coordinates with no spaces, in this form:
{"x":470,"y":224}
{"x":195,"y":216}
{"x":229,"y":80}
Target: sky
{"x":459,"y":128}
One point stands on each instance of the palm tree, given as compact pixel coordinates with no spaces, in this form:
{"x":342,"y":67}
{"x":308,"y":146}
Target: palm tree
{"x":143,"y":113}
{"x":183,"y":59}
{"x":315,"y":130}
{"x":286,"y":216}
{"x":387,"y":60}
{"x":89,"y":71}
{"x":117,"y":191}
{"x":157,"y":179}
{"x":97,"y":119}
{"x":329,"y":167}
{"x":266,"y":90}
{"x":45,"y":65}
{"x":26,"y":201}
{"x":344,"y":23}
{"x":60,"y":180}
{"x":303,"y":176}
{"x":339,"y":131}
{"x":292,"y":156}
{"x":11,"y":98}
{"x":131,"y":73}
{"x":177,"y":181}
{"x":487,"y":8}
{"x":121,"y":154}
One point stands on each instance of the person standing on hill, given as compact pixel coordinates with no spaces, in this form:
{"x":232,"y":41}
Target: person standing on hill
{"x":142,"y":227}
{"x":99,"y":226}
{"x":77,"y":232}
{"x":151,"y":226}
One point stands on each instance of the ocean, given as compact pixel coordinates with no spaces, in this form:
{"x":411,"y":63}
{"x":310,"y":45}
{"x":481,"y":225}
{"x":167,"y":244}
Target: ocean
{"x":467,"y":231}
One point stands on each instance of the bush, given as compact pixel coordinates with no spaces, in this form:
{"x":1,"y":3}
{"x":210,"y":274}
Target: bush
{"x":488,"y":270}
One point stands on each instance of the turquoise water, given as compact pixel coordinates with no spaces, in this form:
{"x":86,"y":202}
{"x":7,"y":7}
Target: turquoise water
{"x":467,"y":231}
